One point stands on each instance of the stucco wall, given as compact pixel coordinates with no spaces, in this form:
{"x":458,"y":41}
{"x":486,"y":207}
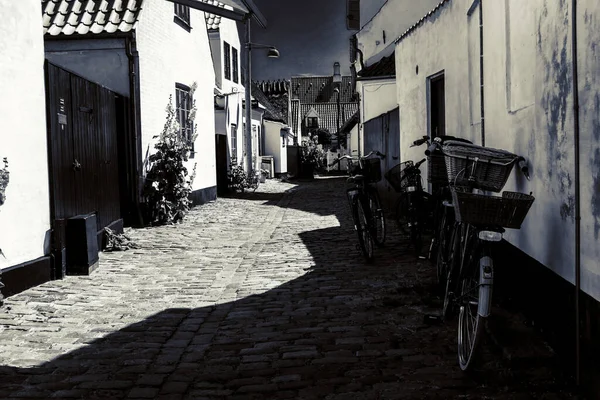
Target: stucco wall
{"x":273,"y":145}
{"x":588,"y":33}
{"x":368,"y":9}
{"x":25,"y":216}
{"x":528,"y":108}
{"x":102,"y":61}
{"x":376,"y":98}
{"x":395,"y":17}
{"x":168,"y":55}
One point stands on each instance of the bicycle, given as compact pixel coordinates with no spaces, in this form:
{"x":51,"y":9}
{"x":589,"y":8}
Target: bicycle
{"x":413,"y":205}
{"x":480,"y":221}
{"x":364,"y":201}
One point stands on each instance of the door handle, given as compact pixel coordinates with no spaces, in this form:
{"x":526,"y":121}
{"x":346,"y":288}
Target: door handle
{"x":76,"y":165}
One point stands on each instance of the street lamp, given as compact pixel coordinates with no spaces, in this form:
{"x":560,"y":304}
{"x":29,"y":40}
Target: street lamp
{"x":273,"y":53}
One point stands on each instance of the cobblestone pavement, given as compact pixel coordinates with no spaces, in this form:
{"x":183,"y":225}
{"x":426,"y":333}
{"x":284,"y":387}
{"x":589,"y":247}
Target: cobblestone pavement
{"x":263,"y":296}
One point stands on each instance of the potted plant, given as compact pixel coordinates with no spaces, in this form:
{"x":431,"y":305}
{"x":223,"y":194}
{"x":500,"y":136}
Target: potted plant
{"x":4,"y":177}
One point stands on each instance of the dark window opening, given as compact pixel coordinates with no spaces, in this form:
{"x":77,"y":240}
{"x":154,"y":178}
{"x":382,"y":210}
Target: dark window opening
{"x":234,"y":64}
{"x":182,"y":16}
{"x":183,"y":108}
{"x":437,"y":106}
{"x":234,"y":144}
{"x":312,"y":122}
{"x":227,"y":60}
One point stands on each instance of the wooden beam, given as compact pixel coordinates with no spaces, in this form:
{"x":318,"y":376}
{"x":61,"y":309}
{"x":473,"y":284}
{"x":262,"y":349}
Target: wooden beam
{"x":199,"y":5}
{"x":256,"y":14}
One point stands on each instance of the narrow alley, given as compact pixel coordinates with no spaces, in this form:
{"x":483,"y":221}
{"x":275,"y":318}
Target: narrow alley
{"x":262,"y":296}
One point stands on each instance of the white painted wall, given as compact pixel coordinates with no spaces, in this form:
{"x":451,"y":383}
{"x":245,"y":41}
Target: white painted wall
{"x":376,"y":97}
{"x":234,"y":92}
{"x":395,"y":17}
{"x":368,"y":9}
{"x":528,"y":109}
{"x":168,"y":55}
{"x":25,"y":216}
{"x":588,"y":34}
{"x":273,"y":145}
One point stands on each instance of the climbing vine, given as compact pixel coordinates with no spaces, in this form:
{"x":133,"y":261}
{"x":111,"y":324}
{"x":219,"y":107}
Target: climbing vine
{"x":168,"y":184}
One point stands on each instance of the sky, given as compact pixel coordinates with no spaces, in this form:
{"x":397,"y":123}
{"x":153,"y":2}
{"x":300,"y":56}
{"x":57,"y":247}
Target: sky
{"x":310,"y":35}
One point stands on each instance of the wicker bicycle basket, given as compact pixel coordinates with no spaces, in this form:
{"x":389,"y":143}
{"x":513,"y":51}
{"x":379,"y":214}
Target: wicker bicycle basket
{"x":507,"y":211}
{"x":398,"y":177}
{"x":372,"y":169}
{"x":436,"y":169}
{"x":479,"y":167}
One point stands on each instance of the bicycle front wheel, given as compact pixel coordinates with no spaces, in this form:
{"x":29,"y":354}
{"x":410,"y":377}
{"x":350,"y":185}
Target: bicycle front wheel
{"x":365,"y":240}
{"x":475,"y":303}
{"x":378,"y":218}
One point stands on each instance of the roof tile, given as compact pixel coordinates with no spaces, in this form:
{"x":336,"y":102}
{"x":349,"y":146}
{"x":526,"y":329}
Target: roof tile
{"x":68,"y":17}
{"x":213,"y":21}
{"x":320,"y":89}
{"x":384,"y":67}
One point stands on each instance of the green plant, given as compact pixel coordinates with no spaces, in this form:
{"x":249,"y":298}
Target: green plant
{"x":167,"y":186}
{"x":118,"y":241}
{"x":311,"y":154}
{"x":236,"y":178}
{"x":4,"y":178}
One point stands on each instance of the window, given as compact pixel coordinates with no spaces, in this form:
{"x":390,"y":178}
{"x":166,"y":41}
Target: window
{"x":233,"y":144}
{"x":227,"y":63}
{"x":234,"y":64}
{"x":182,"y":16}
{"x":312,"y":122}
{"x":183,"y":107}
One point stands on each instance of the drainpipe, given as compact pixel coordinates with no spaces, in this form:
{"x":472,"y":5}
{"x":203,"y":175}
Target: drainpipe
{"x":481,"y":72}
{"x":577,"y":193}
{"x":135,"y":109}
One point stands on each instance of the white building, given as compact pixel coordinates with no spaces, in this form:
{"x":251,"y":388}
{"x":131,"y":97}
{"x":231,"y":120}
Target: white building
{"x":529,"y":90}
{"x":24,"y":216}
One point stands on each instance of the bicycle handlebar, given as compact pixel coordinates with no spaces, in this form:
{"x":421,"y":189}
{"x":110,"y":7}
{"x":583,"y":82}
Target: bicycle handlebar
{"x":419,"y":142}
{"x":349,"y":157}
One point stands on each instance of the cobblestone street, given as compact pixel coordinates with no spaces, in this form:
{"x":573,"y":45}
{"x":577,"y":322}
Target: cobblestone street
{"x":264,"y":296}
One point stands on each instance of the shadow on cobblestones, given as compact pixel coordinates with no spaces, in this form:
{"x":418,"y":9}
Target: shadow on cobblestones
{"x":291,"y":311}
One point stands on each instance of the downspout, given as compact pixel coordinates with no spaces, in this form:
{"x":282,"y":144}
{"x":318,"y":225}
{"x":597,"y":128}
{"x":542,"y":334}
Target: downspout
{"x":481,"y":88}
{"x":135,"y":167}
{"x":577,"y":193}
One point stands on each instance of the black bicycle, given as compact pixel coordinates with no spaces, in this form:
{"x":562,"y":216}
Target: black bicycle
{"x":364,"y":201}
{"x":413,"y":207}
{"x":479,"y":222}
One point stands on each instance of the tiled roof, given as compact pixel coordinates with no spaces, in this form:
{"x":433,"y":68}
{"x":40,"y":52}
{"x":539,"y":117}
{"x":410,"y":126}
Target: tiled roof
{"x":350,"y":123}
{"x":295,"y":105}
{"x":69,"y":17}
{"x":271,"y":112}
{"x":328,"y":113}
{"x":422,"y":20}
{"x":213,"y":21}
{"x":319,"y":89}
{"x":384,"y":67}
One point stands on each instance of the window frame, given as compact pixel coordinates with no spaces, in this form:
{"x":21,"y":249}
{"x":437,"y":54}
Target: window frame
{"x":182,"y":111}
{"x":235,"y":65}
{"x":227,"y":60}
{"x":182,"y":16}
{"x":309,"y":125}
{"x":233,"y":143}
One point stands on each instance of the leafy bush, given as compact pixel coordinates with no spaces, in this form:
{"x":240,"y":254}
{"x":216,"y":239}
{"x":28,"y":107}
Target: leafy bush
{"x":4,"y":178}
{"x":311,"y":154}
{"x":238,"y":180}
{"x":167,"y":186}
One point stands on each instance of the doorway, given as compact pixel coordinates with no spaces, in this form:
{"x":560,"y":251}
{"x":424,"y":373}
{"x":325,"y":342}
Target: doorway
{"x":437,"y":106}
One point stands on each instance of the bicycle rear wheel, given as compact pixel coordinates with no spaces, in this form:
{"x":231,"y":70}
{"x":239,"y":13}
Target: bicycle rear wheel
{"x":365,"y":241}
{"x":475,"y":302}
{"x":377,"y":217}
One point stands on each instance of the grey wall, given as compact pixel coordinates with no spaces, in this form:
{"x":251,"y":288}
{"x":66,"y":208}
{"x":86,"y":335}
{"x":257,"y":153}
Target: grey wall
{"x":102,"y":61}
{"x":310,"y":34}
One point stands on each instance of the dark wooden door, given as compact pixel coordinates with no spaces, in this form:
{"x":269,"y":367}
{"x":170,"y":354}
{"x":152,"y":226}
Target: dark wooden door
{"x":437,"y":112}
{"x":221,"y":154}
{"x":83,"y":149}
